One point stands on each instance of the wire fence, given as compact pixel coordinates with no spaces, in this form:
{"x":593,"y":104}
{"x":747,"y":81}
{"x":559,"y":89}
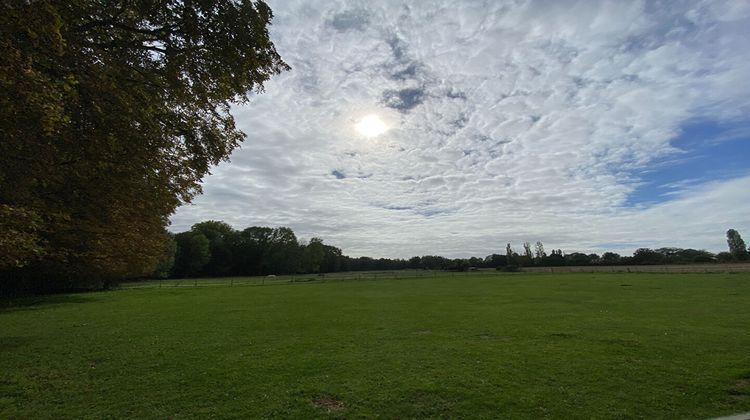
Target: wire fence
{"x":407,"y":274}
{"x":286,"y":279}
{"x":681,"y":268}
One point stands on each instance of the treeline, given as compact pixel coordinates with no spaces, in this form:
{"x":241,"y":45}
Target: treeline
{"x":214,"y":248}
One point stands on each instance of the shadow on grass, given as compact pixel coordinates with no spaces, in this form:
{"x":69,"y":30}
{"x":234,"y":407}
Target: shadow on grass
{"x":38,"y":302}
{"x":13,"y":343}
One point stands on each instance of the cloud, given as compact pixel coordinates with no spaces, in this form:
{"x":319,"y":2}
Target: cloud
{"x":509,"y":122}
{"x":355,"y":19}
{"x":404,"y":99}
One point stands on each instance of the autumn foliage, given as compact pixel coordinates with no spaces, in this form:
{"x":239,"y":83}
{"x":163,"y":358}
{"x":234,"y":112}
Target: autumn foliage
{"x":112,"y":112}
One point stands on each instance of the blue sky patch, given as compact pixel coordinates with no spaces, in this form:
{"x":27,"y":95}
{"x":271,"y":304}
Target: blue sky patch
{"x":712,"y":152}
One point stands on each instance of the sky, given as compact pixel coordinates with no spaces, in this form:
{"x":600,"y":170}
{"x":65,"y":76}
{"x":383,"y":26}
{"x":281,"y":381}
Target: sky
{"x":590,"y":126}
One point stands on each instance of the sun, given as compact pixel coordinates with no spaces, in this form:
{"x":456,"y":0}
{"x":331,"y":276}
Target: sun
{"x":371,"y":126}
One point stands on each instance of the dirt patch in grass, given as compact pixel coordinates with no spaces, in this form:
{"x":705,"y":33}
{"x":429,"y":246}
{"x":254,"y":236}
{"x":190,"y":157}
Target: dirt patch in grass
{"x":430,"y":404}
{"x":741,"y":388}
{"x":493,"y":337}
{"x":329,"y":403}
{"x":562,"y":335}
{"x":622,"y":342}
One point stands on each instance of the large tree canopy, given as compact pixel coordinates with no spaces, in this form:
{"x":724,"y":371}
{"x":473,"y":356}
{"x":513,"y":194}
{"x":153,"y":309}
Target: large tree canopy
{"x":112,"y":112}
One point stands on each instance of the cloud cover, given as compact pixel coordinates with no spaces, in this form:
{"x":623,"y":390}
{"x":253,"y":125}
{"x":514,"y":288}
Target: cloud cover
{"x":510,"y":121}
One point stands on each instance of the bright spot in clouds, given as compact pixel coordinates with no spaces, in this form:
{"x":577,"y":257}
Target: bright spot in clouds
{"x":371,"y":126}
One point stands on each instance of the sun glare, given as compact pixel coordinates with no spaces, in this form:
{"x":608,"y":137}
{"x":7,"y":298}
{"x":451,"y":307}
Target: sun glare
{"x":371,"y":126}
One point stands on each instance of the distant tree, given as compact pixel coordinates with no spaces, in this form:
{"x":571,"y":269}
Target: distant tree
{"x":333,"y":260}
{"x":510,"y":256}
{"x":610,"y":258}
{"x":284,"y":254}
{"x":312,"y":256}
{"x":645,"y":256}
{"x":527,"y":251}
{"x":670,"y":255}
{"x":737,"y":246}
{"x":193,"y":253}
{"x":250,"y":250}
{"x":496,"y":260}
{"x":415,"y":262}
{"x":577,"y":258}
{"x":362,"y":264}
{"x":165,"y":266}
{"x":686,"y":256}
{"x":221,"y":238}
{"x":523,"y":260}
{"x":552,"y":260}
{"x":724,"y":257}
{"x":458,"y":264}
{"x":475,"y":262}
{"x":539,"y":253}
{"x":434,"y":262}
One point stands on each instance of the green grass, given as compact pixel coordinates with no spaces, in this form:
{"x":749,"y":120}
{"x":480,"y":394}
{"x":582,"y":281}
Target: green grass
{"x":506,"y":345}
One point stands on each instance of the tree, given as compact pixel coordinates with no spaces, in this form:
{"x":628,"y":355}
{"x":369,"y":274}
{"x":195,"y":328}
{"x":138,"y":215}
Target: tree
{"x":312,"y":256}
{"x":610,"y":258}
{"x":20,"y":241}
{"x":737,"y":246}
{"x":221,"y":238}
{"x":724,"y":257}
{"x":577,"y":258}
{"x":647,"y":256}
{"x":112,"y":112}
{"x":539,"y":253}
{"x":333,"y":260}
{"x":415,"y":262}
{"x":695,"y":256}
{"x":527,"y":251}
{"x":284,"y":254}
{"x":250,"y":249}
{"x":555,"y":259}
{"x":475,"y":262}
{"x":193,"y":253}
{"x":495,"y":260}
{"x":166,"y":264}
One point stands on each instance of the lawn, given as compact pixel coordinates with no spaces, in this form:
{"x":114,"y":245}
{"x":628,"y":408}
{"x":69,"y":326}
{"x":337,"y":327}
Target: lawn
{"x":512,"y":345}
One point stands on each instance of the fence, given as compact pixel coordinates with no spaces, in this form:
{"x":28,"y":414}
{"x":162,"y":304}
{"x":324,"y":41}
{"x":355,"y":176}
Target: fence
{"x":688,"y":268}
{"x":406,"y":274}
{"x":282,"y":279}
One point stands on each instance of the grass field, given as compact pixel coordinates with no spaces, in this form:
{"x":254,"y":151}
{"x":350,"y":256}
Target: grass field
{"x":505,"y":345}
